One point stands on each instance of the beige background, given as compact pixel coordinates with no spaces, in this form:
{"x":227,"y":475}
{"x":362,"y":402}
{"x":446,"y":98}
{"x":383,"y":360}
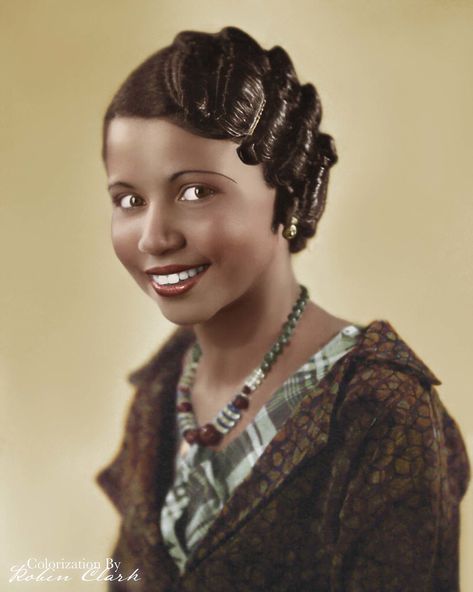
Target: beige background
{"x":395,"y":242}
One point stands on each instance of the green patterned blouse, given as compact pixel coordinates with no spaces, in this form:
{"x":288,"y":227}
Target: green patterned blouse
{"x":205,"y":479}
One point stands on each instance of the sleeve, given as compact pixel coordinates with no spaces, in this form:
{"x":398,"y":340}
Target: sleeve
{"x":399,"y":520}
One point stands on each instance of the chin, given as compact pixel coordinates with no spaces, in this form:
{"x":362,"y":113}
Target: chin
{"x":182,"y":314}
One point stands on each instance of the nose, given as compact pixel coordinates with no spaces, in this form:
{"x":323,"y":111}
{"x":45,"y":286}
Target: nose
{"x":160,"y":232}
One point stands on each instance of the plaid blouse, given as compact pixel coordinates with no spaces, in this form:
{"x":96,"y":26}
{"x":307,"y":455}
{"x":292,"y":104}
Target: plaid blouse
{"x":205,"y":479}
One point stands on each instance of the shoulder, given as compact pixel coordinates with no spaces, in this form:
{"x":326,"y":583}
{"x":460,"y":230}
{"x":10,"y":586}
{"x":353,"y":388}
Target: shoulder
{"x":380,"y":343}
{"x":389,"y":402}
{"x":384,"y":368}
{"x":149,"y":415}
{"x":382,"y":371}
{"x":386,"y":382}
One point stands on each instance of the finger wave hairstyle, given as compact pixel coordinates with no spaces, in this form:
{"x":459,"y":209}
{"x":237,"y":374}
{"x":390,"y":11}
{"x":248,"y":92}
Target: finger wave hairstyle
{"x":225,"y":86}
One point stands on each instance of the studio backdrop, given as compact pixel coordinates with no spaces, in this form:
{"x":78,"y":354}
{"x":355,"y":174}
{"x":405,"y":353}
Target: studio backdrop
{"x":396,"y":83}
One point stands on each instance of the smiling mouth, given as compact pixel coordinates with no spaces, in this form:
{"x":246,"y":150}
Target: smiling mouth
{"x":175,"y":284}
{"x":177,"y":278}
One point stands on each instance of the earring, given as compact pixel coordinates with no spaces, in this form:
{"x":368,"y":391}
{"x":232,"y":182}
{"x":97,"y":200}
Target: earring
{"x":290,"y":230}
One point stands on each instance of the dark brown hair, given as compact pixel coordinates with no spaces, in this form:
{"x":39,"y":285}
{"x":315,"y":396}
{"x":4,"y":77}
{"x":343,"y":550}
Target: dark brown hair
{"x":225,"y":86}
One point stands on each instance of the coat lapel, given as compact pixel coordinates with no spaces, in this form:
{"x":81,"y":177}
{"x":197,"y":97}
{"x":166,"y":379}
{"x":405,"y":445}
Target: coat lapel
{"x":302,"y":436}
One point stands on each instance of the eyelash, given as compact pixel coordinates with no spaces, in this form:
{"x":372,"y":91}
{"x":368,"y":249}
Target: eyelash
{"x":118,"y":198}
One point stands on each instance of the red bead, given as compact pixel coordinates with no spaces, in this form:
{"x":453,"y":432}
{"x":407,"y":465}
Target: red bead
{"x":185,"y":406}
{"x":246,"y":389}
{"x":191,"y":436}
{"x":241,"y":402}
{"x":184,"y":389}
{"x":209,"y":435}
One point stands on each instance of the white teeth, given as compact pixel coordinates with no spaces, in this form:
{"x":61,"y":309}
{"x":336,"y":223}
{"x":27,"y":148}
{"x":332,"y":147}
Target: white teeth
{"x":175,"y":278}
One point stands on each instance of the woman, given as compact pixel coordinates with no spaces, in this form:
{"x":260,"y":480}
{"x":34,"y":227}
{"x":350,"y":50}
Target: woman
{"x":270,"y":445}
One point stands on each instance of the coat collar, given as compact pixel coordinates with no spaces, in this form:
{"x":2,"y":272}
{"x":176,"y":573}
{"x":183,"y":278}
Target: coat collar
{"x":141,"y":462}
{"x":381,"y":343}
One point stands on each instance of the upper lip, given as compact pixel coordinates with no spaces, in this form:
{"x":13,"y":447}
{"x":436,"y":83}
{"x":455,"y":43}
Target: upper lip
{"x":167,"y":269}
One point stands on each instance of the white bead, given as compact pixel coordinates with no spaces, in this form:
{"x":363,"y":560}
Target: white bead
{"x":220,"y":429}
{"x":231,"y":414}
{"x":225,"y":420}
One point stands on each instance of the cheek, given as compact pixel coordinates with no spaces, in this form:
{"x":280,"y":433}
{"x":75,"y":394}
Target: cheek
{"x":236,"y":239}
{"x":124,"y":243}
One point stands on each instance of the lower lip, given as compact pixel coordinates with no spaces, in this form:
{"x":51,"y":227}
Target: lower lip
{"x":177,"y":289}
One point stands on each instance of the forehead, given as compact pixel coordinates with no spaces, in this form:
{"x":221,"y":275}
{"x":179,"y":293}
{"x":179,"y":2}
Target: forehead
{"x":157,"y":146}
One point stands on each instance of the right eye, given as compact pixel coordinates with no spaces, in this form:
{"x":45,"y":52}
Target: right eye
{"x":127,"y":201}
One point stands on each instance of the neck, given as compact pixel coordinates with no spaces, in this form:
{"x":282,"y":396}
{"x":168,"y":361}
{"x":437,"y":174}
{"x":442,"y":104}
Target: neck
{"x":235,"y":340}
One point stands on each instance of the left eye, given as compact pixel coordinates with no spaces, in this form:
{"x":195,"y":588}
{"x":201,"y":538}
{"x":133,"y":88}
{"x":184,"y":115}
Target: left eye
{"x":195,"y":193}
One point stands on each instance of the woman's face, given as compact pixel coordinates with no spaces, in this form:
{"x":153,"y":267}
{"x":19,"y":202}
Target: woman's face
{"x":191,"y":222}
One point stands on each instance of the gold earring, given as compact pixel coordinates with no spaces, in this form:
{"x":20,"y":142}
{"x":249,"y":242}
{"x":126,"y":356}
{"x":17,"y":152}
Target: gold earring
{"x":290,"y":230}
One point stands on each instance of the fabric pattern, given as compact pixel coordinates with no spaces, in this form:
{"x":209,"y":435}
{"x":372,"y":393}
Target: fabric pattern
{"x":359,"y":491}
{"x":205,"y":480}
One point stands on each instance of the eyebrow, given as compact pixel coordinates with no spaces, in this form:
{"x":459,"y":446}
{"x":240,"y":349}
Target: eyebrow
{"x":173,"y":177}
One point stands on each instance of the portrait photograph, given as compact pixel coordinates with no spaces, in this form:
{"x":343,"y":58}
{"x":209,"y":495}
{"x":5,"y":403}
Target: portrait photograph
{"x":237,"y":301}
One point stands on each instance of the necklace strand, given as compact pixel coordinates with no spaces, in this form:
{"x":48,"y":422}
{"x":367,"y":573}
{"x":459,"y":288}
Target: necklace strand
{"x":212,"y":433}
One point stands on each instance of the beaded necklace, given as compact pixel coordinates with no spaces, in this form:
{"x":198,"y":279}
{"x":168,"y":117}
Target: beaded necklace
{"x":212,"y":433}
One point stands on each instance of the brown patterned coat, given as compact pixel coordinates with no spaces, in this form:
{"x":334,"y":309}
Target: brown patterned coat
{"x":358,"y":494}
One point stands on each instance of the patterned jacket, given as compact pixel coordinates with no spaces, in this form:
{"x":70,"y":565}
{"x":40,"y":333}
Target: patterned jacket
{"x":360,"y":493}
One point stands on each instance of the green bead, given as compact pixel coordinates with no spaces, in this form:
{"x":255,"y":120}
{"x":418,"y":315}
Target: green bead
{"x":265,"y":366}
{"x":196,"y":353}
